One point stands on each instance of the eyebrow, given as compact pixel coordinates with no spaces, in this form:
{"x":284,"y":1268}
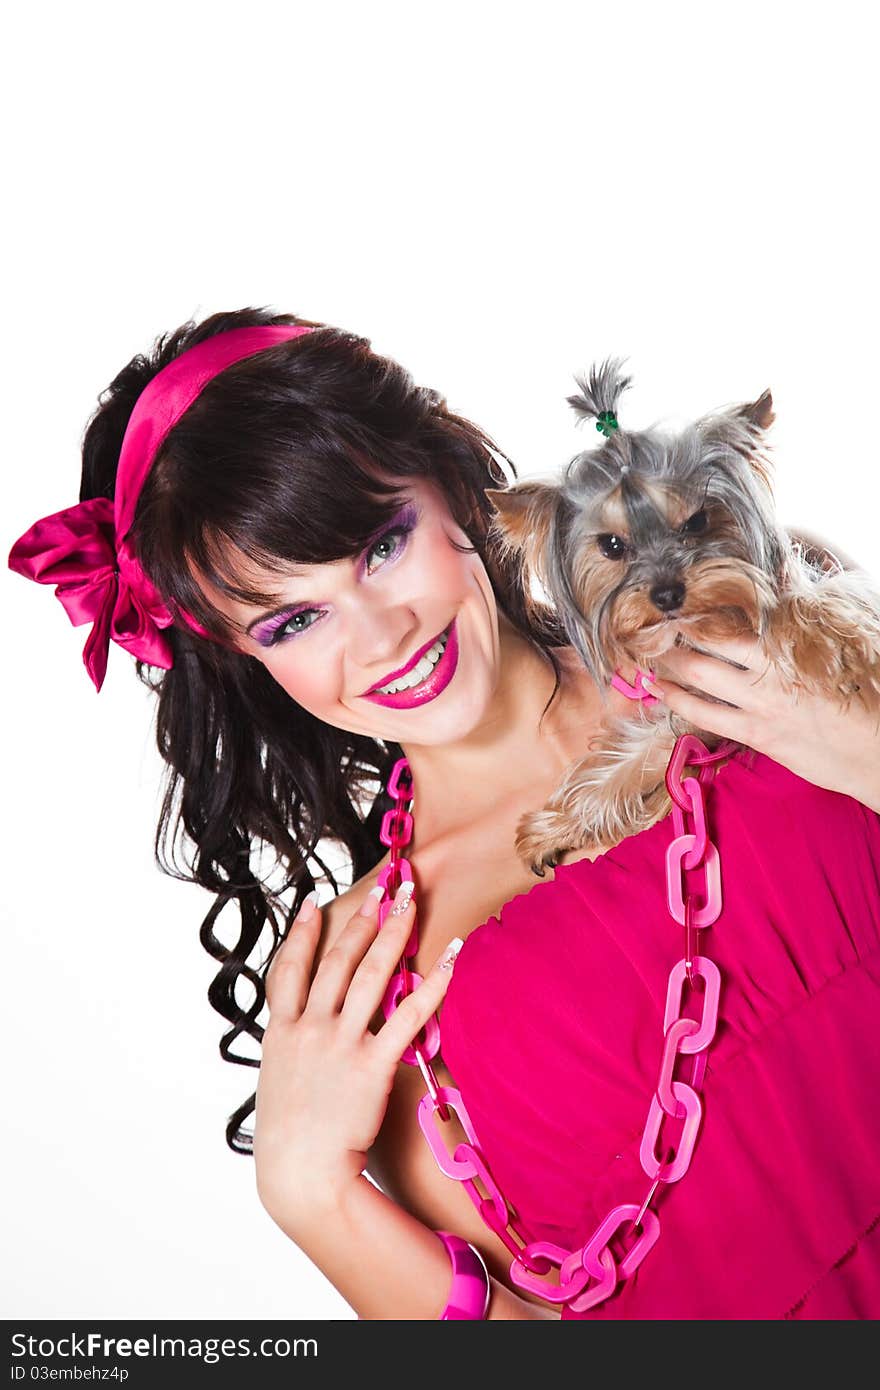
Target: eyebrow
{"x":296,"y":572}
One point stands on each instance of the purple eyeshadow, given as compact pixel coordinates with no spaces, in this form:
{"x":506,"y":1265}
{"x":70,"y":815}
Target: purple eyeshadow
{"x":264,"y":633}
{"x":405,"y":520}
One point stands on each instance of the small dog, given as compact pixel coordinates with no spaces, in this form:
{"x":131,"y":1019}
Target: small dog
{"x":652,"y":540}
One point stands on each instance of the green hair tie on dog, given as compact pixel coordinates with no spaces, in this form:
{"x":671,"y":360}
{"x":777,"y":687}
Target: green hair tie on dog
{"x":606,"y":423}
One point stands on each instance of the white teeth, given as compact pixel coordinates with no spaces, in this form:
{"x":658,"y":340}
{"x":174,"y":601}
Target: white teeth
{"x":419,"y":672}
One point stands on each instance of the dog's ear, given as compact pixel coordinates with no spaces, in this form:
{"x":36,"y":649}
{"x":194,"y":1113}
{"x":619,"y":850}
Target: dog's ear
{"x":758,"y":416}
{"x":523,"y":517}
{"x":759,"y":413}
{"x":742,"y":428}
{"x":739,"y":425}
{"x":523,"y":529}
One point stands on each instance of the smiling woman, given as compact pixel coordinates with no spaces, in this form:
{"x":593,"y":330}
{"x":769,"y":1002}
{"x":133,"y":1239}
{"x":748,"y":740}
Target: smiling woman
{"x":251,"y":478}
{"x":296,"y":544}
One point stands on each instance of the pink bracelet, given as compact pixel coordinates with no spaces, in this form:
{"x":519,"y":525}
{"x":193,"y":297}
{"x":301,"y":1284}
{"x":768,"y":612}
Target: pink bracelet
{"x":469,"y":1291}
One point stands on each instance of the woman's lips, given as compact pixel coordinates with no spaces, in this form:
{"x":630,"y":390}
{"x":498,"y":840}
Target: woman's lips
{"x":405,"y":670}
{"x":431,"y":686}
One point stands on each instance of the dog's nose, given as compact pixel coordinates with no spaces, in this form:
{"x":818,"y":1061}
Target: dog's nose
{"x":667,"y":595}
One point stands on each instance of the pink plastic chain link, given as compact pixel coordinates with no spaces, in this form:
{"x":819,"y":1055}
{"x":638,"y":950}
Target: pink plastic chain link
{"x":396,"y":832}
{"x":636,"y":691}
{"x":590,"y":1274}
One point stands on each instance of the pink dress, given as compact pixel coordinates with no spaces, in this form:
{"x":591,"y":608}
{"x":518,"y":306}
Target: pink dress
{"x":552,"y":1028}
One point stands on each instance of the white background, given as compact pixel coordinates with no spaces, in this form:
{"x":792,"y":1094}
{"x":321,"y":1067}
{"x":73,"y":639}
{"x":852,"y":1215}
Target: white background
{"x":496,"y":194}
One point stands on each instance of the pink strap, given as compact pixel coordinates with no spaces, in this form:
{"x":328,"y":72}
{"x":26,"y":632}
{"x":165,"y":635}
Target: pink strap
{"x":469,"y":1291}
{"x":83,"y":549}
{"x":170,"y":394}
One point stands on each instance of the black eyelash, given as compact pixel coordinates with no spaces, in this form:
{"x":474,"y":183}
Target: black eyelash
{"x":280,"y":634}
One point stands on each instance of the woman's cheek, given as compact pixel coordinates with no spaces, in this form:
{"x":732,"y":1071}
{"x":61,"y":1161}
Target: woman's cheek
{"x":449,"y":570}
{"x":308,"y":678}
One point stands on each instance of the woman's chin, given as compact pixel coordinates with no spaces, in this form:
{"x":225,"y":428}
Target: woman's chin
{"x":452,"y":716}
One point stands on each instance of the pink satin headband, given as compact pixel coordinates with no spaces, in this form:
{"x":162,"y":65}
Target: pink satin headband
{"x":83,"y":549}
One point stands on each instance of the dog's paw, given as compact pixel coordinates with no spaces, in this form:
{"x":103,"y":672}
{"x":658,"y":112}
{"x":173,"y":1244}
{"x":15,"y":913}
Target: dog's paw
{"x":540,"y":840}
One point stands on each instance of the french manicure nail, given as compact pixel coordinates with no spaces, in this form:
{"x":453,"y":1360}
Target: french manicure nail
{"x":447,"y":960}
{"x":370,"y":905}
{"x":403,"y":897}
{"x":307,"y":907}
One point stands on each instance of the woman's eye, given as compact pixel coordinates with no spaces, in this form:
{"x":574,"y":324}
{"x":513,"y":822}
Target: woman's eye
{"x":295,"y":624}
{"x":387,"y":546}
{"x":612,"y":547}
{"x":696,"y":523}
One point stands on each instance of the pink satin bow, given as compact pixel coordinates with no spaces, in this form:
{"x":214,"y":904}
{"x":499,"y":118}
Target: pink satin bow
{"x":76,"y":550}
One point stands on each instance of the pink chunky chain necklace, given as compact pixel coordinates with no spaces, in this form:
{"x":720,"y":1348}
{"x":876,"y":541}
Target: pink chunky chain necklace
{"x":591,"y":1273}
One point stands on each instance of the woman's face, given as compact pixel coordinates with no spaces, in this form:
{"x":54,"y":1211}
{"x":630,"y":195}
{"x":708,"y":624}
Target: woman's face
{"x":409,"y":611}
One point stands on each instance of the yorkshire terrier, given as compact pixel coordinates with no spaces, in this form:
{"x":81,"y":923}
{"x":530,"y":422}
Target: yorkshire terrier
{"x":654,"y":539}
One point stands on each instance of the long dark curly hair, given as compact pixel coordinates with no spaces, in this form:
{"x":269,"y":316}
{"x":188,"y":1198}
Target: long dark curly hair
{"x":295,"y":455}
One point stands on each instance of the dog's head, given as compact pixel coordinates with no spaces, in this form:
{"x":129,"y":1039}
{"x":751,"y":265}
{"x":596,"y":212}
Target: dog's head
{"x":651,"y":534}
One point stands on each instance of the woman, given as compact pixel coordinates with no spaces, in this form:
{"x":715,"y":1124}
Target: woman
{"x":296,"y":528}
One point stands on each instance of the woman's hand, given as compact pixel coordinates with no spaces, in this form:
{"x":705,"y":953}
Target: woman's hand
{"x":325,"y":1078}
{"x":809,"y":734}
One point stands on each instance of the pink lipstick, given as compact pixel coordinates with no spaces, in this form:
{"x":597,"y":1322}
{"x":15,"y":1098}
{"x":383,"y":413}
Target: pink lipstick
{"x":431,"y":686}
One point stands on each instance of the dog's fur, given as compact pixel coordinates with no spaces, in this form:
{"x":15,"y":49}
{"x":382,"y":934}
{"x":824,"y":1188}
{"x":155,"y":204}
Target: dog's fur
{"x":655,"y":538}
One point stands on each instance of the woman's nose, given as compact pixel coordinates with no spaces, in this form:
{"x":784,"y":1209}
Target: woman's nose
{"x":380,"y":638}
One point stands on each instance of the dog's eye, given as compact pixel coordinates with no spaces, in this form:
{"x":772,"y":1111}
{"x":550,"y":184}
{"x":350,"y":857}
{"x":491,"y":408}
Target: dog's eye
{"x":695,"y":524}
{"x":612,"y":547}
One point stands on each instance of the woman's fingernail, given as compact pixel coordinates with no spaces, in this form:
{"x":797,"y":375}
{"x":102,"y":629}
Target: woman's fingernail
{"x":447,"y":960}
{"x":652,"y":689}
{"x":307,"y":906}
{"x":370,"y":905}
{"x":403,"y":897}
